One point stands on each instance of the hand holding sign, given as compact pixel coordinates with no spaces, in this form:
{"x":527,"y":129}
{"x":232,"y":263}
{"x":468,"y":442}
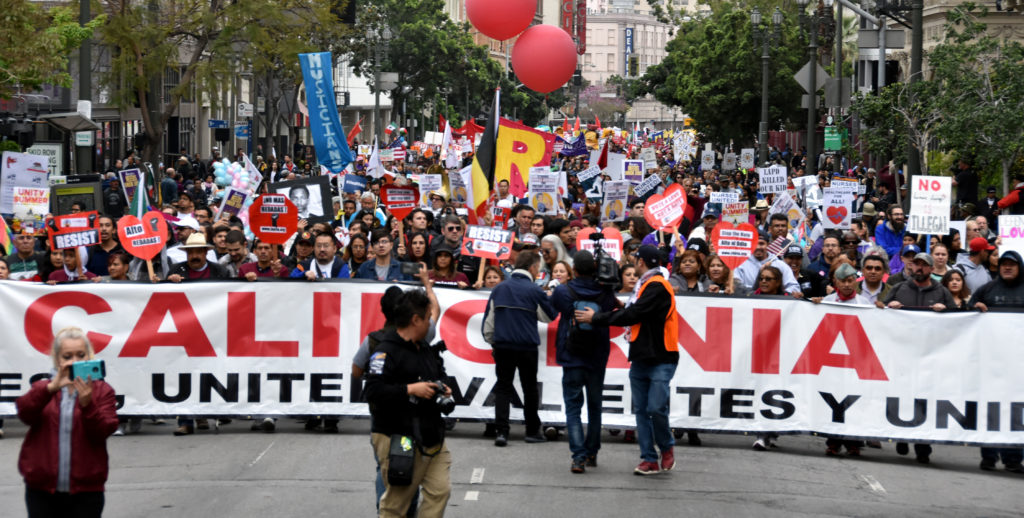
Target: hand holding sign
{"x":143,"y":239}
{"x":734,"y":244}
{"x":664,"y":211}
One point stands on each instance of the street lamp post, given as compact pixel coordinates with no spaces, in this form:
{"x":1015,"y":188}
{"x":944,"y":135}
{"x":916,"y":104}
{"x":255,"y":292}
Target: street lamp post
{"x":380,"y":43}
{"x":812,"y":51}
{"x":766,"y":39}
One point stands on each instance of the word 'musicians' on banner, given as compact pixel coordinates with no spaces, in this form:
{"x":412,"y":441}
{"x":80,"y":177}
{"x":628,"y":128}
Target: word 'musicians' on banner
{"x":746,"y":364}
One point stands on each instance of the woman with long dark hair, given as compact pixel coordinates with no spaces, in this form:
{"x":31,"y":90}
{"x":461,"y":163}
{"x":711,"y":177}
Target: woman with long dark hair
{"x":356,"y":253}
{"x":954,"y":282}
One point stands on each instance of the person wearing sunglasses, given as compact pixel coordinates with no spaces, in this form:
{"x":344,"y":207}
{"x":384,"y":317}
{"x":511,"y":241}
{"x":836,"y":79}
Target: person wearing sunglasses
{"x":874,"y":266}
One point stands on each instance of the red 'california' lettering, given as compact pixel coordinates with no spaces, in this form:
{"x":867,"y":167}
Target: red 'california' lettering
{"x":714,"y":352}
{"x":372,"y":317}
{"x":242,"y":331}
{"x":455,"y":327}
{"x":326,"y":324}
{"x":764,"y":354}
{"x":188,"y":332}
{"x":818,"y":352}
{"x":39,"y":318}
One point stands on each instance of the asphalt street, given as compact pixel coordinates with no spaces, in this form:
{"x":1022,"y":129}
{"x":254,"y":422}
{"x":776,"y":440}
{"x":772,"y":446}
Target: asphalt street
{"x":293,"y":472}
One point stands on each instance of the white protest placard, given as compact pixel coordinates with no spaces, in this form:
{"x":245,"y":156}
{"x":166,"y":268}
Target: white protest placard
{"x":849,"y":185}
{"x":724,"y":197}
{"x":772,"y":179}
{"x":616,"y":193}
{"x":747,"y":158}
{"x":429,"y":183}
{"x":1011,"y":233}
{"x":784,"y":204}
{"x":649,"y":157}
{"x":647,"y":187}
{"x":736,"y":213}
{"x":22,"y":170}
{"x":729,"y":162}
{"x":543,"y":193}
{"x":458,"y":187}
{"x":930,"y":198}
{"x":801,"y":183}
{"x":707,"y":160}
{"x":365,"y":149}
{"x":614,"y":169}
{"x":836,"y":208}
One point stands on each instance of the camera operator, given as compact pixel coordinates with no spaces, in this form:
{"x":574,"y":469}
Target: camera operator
{"x":406,"y":395}
{"x":653,"y":356}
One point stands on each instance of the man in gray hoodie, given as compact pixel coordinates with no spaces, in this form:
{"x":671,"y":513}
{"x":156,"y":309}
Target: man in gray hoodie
{"x":975,"y":267}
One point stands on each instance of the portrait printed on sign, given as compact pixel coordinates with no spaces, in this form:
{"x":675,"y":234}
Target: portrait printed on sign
{"x":311,"y":196}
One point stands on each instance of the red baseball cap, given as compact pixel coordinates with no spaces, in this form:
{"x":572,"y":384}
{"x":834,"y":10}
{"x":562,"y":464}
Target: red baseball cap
{"x":979,"y":243}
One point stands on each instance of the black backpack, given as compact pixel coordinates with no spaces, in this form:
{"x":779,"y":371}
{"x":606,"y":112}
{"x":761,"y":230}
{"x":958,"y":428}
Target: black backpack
{"x":582,"y":337}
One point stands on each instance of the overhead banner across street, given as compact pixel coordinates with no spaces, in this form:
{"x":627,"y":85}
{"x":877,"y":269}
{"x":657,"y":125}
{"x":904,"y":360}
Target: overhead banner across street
{"x":747,"y":365}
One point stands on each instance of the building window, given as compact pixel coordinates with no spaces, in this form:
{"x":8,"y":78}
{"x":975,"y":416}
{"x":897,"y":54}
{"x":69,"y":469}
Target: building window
{"x":611,"y":62}
{"x":186,"y":129}
{"x":171,"y":79}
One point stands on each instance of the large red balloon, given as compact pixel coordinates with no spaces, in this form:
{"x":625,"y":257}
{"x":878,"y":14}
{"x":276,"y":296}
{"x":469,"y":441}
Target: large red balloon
{"x":501,"y":19}
{"x":544,"y":58}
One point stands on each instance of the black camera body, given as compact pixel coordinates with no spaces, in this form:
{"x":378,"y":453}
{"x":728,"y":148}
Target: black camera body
{"x":607,"y":268}
{"x":445,"y":403}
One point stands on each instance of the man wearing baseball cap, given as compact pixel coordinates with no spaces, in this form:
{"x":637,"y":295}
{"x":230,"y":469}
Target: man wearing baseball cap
{"x":811,"y":284}
{"x":183,"y":228}
{"x":975,"y":268}
{"x":902,"y":270}
{"x":653,"y":356}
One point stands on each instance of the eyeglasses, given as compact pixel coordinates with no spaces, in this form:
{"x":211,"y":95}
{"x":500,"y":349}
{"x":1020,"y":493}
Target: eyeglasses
{"x":453,"y":229}
{"x":873,"y":268}
{"x":850,"y":242}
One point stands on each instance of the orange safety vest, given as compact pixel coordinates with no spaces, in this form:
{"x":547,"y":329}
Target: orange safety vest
{"x":671,"y":320}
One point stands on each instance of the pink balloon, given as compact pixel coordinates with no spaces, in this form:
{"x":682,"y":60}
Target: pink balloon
{"x":500,"y":19}
{"x":544,"y":58}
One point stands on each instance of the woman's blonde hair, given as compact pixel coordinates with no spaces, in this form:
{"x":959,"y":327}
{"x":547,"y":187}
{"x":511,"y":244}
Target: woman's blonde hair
{"x":69,"y":333}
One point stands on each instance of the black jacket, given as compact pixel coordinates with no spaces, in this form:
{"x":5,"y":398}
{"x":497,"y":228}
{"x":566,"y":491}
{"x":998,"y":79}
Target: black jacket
{"x":1000,"y":293}
{"x":395,"y":364}
{"x":911,"y":295}
{"x":217,"y":271}
{"x":650,"y":311}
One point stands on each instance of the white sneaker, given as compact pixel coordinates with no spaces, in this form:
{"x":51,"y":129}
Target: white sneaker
{"x":1,"y":433}
{"x":761,"y":444}
{"x":120,"y":431}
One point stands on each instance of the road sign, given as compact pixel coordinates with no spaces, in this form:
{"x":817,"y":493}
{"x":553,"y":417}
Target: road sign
{"x":803,"y":77}
{"x":245,"y":110}
{"x":894,"y":39}
{"x":215,"y":123}
{"x":833,"y":139}
{"x":242,"y":130}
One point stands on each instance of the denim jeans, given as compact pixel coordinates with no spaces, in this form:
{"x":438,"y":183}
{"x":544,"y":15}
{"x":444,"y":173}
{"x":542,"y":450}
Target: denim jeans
{"x":574,"y":381}
{"x":649,"y":385}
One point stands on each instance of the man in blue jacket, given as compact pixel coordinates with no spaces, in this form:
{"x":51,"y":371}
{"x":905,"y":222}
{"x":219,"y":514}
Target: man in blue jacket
{"x":517,"y":304}
{"x":583,"y":368}
{"x":384,"y":267}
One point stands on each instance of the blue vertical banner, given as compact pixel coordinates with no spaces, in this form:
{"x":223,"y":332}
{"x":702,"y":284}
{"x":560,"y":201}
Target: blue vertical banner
{"x":329,"y":139}
{"x":629,"y":41}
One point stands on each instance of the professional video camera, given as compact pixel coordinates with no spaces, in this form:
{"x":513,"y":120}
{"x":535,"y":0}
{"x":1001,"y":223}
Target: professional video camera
{"x":607,"y":268}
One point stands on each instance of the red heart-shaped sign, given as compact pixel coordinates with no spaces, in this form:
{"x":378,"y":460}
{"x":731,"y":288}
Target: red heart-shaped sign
{"x":273,"y":218}
{"x":836,"y":214}
{"x":664,"y":211}
{"x":400,"y":201}
{"x":612,"y":242}
{"x":143,"y":239}
{"x":734,"y":244}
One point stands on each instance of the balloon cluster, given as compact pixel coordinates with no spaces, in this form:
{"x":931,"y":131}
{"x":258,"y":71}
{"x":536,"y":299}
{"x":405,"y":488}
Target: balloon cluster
{"x":233,"y":174}
{"x":543,"y":57}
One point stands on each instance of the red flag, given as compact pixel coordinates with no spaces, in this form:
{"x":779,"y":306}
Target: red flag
{"x":602,"y":161}
{"x":440,"y":123}
{"x":576,"y":127}
{"x":355,"y":131}
{"x":565,"y":126}
{"x":598,"y":122}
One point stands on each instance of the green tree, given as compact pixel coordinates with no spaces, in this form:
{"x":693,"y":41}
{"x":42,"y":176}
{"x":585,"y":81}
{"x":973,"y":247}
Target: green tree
{"x":902,"y":114}
{"x":713,"y":72}
{"x":36,"y":44}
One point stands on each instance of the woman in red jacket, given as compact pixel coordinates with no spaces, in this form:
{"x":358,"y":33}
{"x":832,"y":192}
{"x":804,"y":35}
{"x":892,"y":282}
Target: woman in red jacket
{"x":64,"y":456}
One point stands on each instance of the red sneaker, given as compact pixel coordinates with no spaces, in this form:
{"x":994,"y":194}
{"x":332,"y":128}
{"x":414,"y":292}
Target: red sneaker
{"x":646,"y":468}
{"x":668,"y":460}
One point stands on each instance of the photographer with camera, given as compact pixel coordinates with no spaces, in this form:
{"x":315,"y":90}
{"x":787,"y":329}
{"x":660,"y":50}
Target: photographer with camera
{"x":582,"y":351}
{"x":653,"y":356}
{"x":405,"y":389}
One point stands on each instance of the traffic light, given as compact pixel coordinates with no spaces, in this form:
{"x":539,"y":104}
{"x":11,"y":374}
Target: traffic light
{"x":634,"y":66}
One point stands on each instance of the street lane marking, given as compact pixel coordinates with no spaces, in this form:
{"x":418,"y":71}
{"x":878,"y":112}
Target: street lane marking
{"x":478,"y":476}
{"x":472,"y":495}
{"x":262,"y":453}
{"x":873,"y":483}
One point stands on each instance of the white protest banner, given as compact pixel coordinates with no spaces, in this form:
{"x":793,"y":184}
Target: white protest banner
{"x":1011,"y":233}
{"x":836,"y":208}
{"x":784,"y":204}
{"x":736,"y":213}
{"x":747,"y":158}
{"x":633,"y":171}
{"x":21,"y":170}
{"x":729,"y":162}
{"x":649,"y":157}
{"x":724,"y":197}
{"x":930,"y":198}
{"x":543,"y":193}
{"x":772,"y":179}
{"x":707,"y":160}
{"x":615,"y":195}
{"x":219,"y":348}
{"x":428,"y":184}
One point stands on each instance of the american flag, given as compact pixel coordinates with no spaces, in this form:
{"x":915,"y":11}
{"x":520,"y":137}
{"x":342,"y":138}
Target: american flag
{"x":777,"y":247}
